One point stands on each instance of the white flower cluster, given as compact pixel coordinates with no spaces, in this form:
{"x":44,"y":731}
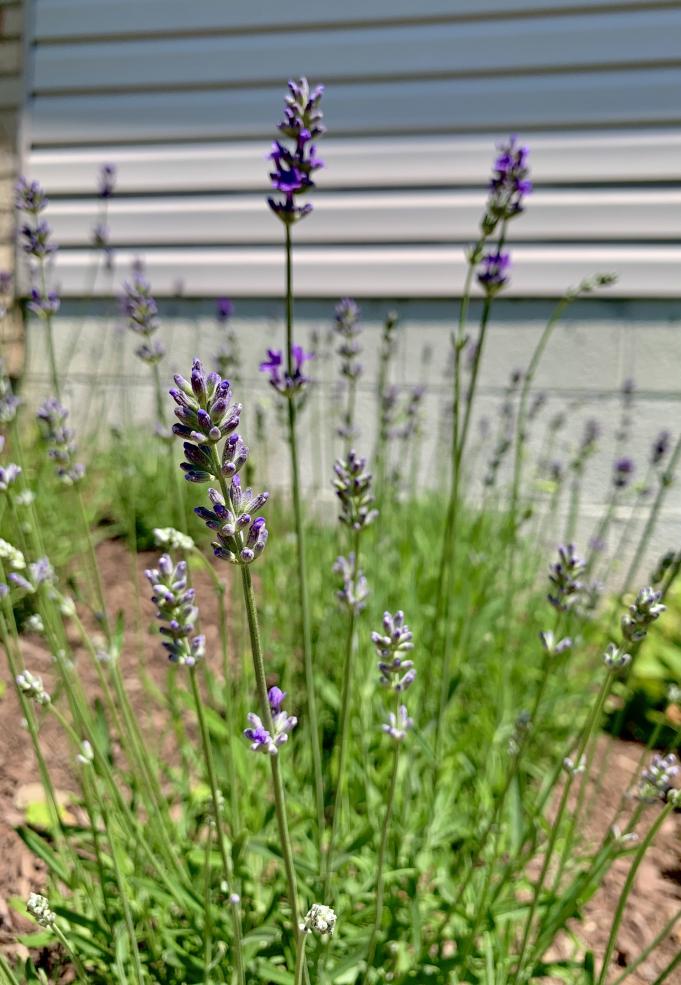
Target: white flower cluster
{"x":320,"y":918}
{"x":39,"y":908}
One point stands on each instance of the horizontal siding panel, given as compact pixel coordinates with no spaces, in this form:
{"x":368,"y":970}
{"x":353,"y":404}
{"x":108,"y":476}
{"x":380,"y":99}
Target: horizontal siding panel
{"x":381,"y":272}
{"x":374,"y":217}
{"x":645,"y":156}
{"x":87,"y":18}
{"x":520,"y":102}
{"x":413,"y":50}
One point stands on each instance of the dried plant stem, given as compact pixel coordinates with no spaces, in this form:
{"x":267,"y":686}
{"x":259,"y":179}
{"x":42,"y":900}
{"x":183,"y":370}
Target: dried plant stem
{"x":227,"y":872}
{"x":313,"y":722}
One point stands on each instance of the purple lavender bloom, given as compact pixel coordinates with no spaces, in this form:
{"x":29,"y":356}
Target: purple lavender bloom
{"x":396,"y":671}
{"x":6,"y":282}
{"x":268,"y":740}
{"x":174,"y":601}
{"x":348,"y":328}
{"x":493,"y":272}
{"x":240,"y":538}
{"x":660,"y":447}
{"x":646,"y":608}
{"x":276,"y":697}
{"x":205,"y":411}
{"x":8,"y":401}
{"x":355,"y":590}
{"x":30,"y":197}
{"x":509,"y":184}
{"x":37,"y":241}
{"x":39,"y":573}
{"x":656,"y":778}
{"x":622,"y":473}
{"x":283,"y":382}
{"x":44,"y":305}
{"x":107,"y":180}
{"x":353,"y":487}
{"x":60,"y":440}
{"x":224,"y":310}
{"x":294,"y":165}
{"x":141,"y":310}
{"x":398,"y":724}
{"x":563,"y":576}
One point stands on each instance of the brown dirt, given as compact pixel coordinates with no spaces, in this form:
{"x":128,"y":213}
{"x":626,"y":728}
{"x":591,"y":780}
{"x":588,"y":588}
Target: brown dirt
{"x":656,"y":896}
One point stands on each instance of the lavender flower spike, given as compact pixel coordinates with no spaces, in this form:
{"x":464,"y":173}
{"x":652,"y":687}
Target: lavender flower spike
{"x":623,"y":470}
{"x":353,"y":488}
{"x":391,"y":645}
{"x":355,"y":590}
{"x":563,"y":577}
{"x":493,"y":272}
{"x":398,"y":724}
{"x":107,"y":180}
{"x":509,"y":185}
{"x":175,"y":607}
{"x":656,"y":779}
{"x":260,"y":738}
{"x":646,"y":608}
{"x":60,"y":440}
{"x":280,"y":380}
{"x":141,"y":310}
{"x":294,"y":164}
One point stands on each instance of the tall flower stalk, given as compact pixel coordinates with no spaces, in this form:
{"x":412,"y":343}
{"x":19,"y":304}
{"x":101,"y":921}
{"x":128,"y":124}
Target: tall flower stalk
{"x":352,"y":483}
{"x":507,"y":190}
{"x":348,"y":328}
{"x":294,"y":160}
{"x":207,"y":418}
{"x":397,"y":673}
{"x":38,"y":245}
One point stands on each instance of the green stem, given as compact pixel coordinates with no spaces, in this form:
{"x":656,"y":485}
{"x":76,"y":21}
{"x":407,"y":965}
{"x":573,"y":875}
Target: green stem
{"x":266,"y":714}
{"x":313,"y":722}
{"x":344,"y":724}
{"x":300,"y":959}
{"x":77,"y":963}
{"x":665,"y":482}
{"x":626,"y":890}
{"x":217,"y":815}
{"x":591,"y":724}
{"x":380,"y":878}
{"x":54,"y":373}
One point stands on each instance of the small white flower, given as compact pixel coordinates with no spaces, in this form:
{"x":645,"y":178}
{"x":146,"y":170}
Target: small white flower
{"x":320,"y":918}
{"x":32,"y":686}
{"x":35,"y":624}
{"x":24,"y":498}
{"x":39,"y":908}
{"x":621,"y":837}
{"x":574,"y":769}
{"x":86,"y":754}
{"x":173,"y":539}
{"x":14,"y":557}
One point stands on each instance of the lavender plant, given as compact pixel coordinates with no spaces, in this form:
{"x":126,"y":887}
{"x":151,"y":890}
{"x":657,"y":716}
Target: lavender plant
{"x":453,"y":844}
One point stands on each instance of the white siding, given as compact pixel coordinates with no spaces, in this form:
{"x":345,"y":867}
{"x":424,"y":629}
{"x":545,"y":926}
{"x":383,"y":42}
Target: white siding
{"x":184,"y":98}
